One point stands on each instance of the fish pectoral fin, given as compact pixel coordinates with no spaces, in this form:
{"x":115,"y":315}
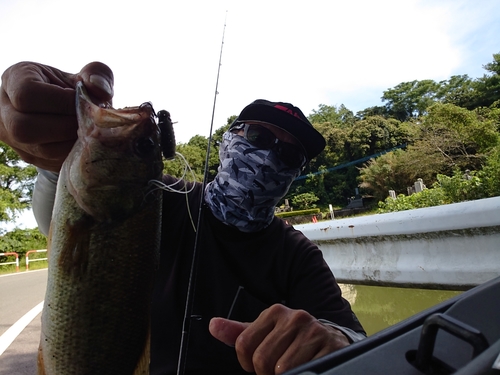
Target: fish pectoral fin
{"x":75,"y":253}
{"x":142,"y":367}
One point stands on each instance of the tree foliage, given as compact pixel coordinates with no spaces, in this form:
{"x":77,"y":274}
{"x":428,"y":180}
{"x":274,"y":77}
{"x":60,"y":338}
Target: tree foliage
{"x":192,"y":159}
{"x":304,"y":201}
{"x":22,"y":241}
{"x":490,"y":174}
{"x":426,"y":198}
{"x":16,"y":183}
{"x":411,"y":99}
{"x":457,"y":188}
{"x":486,"y":90}
{"x":455,"y":136}
{"x":388,"y":172}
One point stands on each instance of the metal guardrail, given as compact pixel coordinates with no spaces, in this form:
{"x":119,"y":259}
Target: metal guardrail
{"x":454,"y":246}
{"x":28,"y":260}
{"x":34,"y":260}
{"x":16,"y":262}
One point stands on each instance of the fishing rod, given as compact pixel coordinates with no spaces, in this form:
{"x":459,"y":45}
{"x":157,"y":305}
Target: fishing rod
{"x":181,"y":363}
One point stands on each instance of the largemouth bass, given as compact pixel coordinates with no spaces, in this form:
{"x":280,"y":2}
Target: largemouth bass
{"x":104,"y":244}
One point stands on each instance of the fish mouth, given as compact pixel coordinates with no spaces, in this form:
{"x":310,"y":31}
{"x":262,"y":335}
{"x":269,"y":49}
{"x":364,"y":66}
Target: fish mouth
{"x":116,"y":155}
{"x":107,"y":117}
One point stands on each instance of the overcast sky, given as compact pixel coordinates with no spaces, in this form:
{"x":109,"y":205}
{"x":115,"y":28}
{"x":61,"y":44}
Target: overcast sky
{"x":304,"y":52}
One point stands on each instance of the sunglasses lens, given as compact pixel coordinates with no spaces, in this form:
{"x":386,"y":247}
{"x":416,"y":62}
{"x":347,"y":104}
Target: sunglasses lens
{"x":263,"y":138}
{"x":260,"y":136}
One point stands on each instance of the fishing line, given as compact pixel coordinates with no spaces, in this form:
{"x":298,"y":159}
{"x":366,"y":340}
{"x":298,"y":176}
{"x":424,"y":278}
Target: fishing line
{"x":184,"y":190}
{"x":181,"y":364}
{"x":171,"y":187}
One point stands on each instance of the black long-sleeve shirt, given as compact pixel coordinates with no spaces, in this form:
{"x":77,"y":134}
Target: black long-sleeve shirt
{"x":238,"y":276}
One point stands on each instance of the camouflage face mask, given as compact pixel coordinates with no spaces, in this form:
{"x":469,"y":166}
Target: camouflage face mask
{"x":249,"y":184}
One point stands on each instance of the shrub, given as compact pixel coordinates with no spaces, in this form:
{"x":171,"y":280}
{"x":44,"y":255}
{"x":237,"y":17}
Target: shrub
{"x":311,"y":211}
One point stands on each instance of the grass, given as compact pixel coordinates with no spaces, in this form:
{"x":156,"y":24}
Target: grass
{"x":11,"y":268}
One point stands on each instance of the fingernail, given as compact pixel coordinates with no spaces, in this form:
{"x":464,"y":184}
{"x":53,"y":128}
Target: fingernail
{"x":102,"y":83}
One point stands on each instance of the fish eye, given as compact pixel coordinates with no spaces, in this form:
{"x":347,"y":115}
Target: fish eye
{"x":144,"y":146}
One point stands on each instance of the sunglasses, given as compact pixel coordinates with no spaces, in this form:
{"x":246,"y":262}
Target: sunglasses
{"x":262,"y":138}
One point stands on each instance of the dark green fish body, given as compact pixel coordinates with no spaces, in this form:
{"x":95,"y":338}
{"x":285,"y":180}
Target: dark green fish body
{"x":104,"y":245}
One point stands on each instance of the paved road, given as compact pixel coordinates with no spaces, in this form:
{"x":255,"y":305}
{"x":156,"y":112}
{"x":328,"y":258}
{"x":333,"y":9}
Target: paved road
{"x":20,"y":293}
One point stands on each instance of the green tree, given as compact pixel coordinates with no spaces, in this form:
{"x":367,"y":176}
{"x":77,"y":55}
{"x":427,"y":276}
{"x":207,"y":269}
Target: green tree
{"x":458,"y":90}
{"x":446,"y":139}
{"x":490,"y":174}
{"x":304,"y":201}
{"x":194,"y":154}
{"x":411,"y":99}
{"x":23,"y":240}
{"x":426,"y":198}
{"x":459,"y":138}
{"x":189,"y":164}
{"x":373,"y":111}
{"x":16,"y":183}
{"x":388,"y":172}
{"x":334,"y":152}
{"x":348,"y":138}
{"x":372,"y":135}
{"x":460,"y":187}
{"x":487,"y":88}
{"x":336,"y":116}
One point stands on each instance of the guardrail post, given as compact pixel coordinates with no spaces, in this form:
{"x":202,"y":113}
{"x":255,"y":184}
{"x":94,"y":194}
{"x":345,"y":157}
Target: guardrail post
{"x":34,"y":260}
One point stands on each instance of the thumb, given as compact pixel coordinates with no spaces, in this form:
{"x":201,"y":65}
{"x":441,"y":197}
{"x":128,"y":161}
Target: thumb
{"x":98,"y":80}
{"x":226,"y":330}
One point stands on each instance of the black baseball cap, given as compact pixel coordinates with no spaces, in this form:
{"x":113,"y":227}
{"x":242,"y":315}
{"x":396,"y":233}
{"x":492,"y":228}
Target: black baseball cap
{"x":287,"y":117}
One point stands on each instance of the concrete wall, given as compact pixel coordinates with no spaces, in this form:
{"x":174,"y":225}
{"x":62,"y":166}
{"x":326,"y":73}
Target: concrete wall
{"x":455,"y":246}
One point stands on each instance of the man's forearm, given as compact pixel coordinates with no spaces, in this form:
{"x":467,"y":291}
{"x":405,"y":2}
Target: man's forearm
{"x":43,"y":198}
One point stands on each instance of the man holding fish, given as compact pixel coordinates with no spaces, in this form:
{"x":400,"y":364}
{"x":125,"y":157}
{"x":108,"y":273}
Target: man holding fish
{"x":262,"y":298}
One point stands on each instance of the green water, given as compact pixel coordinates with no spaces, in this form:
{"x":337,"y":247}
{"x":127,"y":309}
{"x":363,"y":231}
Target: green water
{"x":380,"y":307}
